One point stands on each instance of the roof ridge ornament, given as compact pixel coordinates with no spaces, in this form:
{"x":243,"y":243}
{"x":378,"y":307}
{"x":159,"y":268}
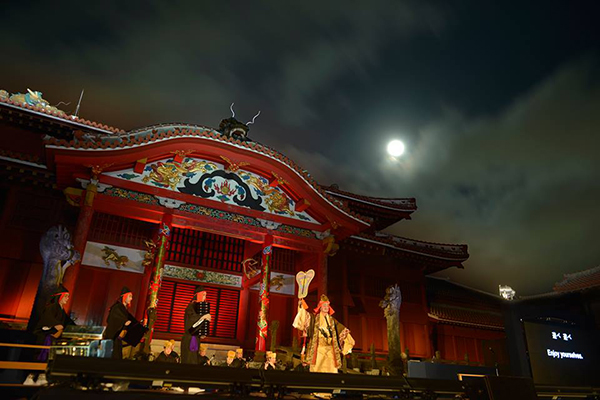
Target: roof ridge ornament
{"x":231,"y":127}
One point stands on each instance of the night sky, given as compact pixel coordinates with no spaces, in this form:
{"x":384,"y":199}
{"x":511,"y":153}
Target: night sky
{"x":498,"y":104}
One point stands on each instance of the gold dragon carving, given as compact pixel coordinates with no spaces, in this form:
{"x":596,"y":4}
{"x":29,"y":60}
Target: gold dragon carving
{"x":170,"y":173}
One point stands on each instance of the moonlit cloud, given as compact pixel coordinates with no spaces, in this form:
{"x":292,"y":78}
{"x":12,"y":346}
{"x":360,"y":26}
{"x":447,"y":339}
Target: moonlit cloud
{"x":499,"y":114}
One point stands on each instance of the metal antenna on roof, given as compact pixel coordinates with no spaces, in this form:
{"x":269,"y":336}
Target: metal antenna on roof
{"x":232,"y":112}
{"x":253,"y":119}
{"x":79,"y":103}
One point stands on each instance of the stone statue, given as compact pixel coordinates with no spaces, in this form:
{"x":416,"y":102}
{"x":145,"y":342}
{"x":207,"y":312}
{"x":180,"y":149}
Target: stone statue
{"x":391,"y":309}
{"x":58,"y":254}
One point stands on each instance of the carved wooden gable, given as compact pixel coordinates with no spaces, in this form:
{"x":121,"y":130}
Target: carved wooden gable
{"x":214,"y":181}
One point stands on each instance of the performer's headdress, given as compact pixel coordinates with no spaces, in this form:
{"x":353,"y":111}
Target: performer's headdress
{"x":203,"y":347}
{"x":324,"y":300}
{"x":239,"y":351}
{"x":199,"y":289}
{"x":58,"y":294}
{"x":124,"y":292}
{"x":271,"y":354}
{"x":170,"y":342}
{"x":231,"y":354}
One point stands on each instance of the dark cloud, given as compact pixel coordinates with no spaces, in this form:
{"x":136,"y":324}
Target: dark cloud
{"x":495,"y":103}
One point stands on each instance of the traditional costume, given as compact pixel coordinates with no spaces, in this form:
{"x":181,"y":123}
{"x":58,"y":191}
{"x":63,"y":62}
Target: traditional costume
{"x":168,"y":355}
{"x":53,"y":315}
{"x":194,"y":329}
{"x":202,"y":358}
{"x":328,"y":339}
{"x":118,"y":315}
{"x":271,"y":363}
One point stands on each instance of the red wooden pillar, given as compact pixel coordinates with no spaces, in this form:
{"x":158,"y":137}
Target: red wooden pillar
{"x":164,"y":233}
{"x":263,"y":296}
{"x":243,"y":315}
{"x":162,"y":243}
{"x":84,"y":222}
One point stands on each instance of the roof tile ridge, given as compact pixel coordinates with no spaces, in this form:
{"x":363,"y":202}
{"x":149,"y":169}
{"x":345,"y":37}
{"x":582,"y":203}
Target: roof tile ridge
{"x":418,"y":240}
{"x":61,"y":115}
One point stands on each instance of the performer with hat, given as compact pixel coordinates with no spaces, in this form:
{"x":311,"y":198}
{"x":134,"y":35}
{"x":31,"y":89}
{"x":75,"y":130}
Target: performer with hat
{"x":53,"y":320}
{"x":202,"y":358}
{"x":168,"y":354}
{"x":119,"y":318}
{"x":230,"y":358}
{"x":239,"y":361}
{"x":328,"y":340}
{"x":271,"y":362}
{"x":196,"y":326}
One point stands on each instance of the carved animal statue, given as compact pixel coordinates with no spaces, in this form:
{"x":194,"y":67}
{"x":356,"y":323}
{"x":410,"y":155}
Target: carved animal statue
{"x":391,"y":308}
{"x":30,"y":98}
{"x":149,"y":255}
{"x":34,"y":99}
{"x":233,"y":128}
{"x":58,"y":254}
{"x":111,"y":254}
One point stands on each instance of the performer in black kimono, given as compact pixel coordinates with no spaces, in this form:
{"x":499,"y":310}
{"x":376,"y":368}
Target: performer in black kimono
{"x":117,"y":321}
{"x":168,"y":355}
{"x":203,"y":358}
{"x":271,"y":363}
{"x":53,"y":320}
{"x":195,"y":325}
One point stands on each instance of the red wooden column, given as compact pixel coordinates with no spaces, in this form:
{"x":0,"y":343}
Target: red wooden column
{"x":164,"y":233}
{"x":263,"y":296}
{"x":242,"y":316}
{"x":84,"y":221}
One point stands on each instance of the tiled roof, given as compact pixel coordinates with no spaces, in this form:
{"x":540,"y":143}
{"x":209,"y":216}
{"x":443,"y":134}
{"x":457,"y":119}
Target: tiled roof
{"x":164,"y":132}
{"x":20,"y":158}
{"x":60,"y":115}
{"x":466,"y":316}
{"x":579,"y":280}
{"x":453,"y":252}
{"x":400,"y":204}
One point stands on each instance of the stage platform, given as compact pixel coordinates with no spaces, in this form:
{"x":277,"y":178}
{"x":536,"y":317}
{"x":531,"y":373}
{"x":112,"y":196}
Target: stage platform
{"x":90,"y":378}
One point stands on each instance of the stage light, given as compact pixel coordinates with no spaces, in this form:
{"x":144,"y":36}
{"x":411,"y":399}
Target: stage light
{"x":395,"y":148}
{"x":506,"y":292}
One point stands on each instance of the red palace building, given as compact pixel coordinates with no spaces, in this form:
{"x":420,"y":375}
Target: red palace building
{"x":163,"y":208}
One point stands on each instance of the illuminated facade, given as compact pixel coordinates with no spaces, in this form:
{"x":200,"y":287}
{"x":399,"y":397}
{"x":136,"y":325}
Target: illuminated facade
{"x":163,"y":208}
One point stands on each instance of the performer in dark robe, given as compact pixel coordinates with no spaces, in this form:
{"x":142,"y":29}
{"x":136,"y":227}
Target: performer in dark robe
{"x":271,"y":363}
{"x":168,"y":355}
{"x":203,"y":358}
{"x":190,"y":343}
{"x":119,"y":318}
{"x":238,"y":361}
{"x":53,"y":320}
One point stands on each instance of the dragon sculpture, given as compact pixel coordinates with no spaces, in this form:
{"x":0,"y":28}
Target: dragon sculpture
{"x":391,"y":308}
{"x":58,"y":253}
{"x":233,"y":128}
{"x":31,"y":98}
{"x":111,"y":254}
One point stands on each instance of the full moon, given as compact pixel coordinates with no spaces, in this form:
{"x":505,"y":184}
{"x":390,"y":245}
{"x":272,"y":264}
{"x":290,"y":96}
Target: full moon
{"x":395,"y":148}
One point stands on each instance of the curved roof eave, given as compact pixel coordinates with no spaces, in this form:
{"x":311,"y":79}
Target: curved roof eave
{"x":209,"y":135}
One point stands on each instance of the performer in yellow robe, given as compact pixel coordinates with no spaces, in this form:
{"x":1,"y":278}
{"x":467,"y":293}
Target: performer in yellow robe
{"x":328,"y":339}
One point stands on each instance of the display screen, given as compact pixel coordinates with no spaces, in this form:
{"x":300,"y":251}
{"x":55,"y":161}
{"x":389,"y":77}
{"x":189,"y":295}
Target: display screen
{"x":563,"y":355}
